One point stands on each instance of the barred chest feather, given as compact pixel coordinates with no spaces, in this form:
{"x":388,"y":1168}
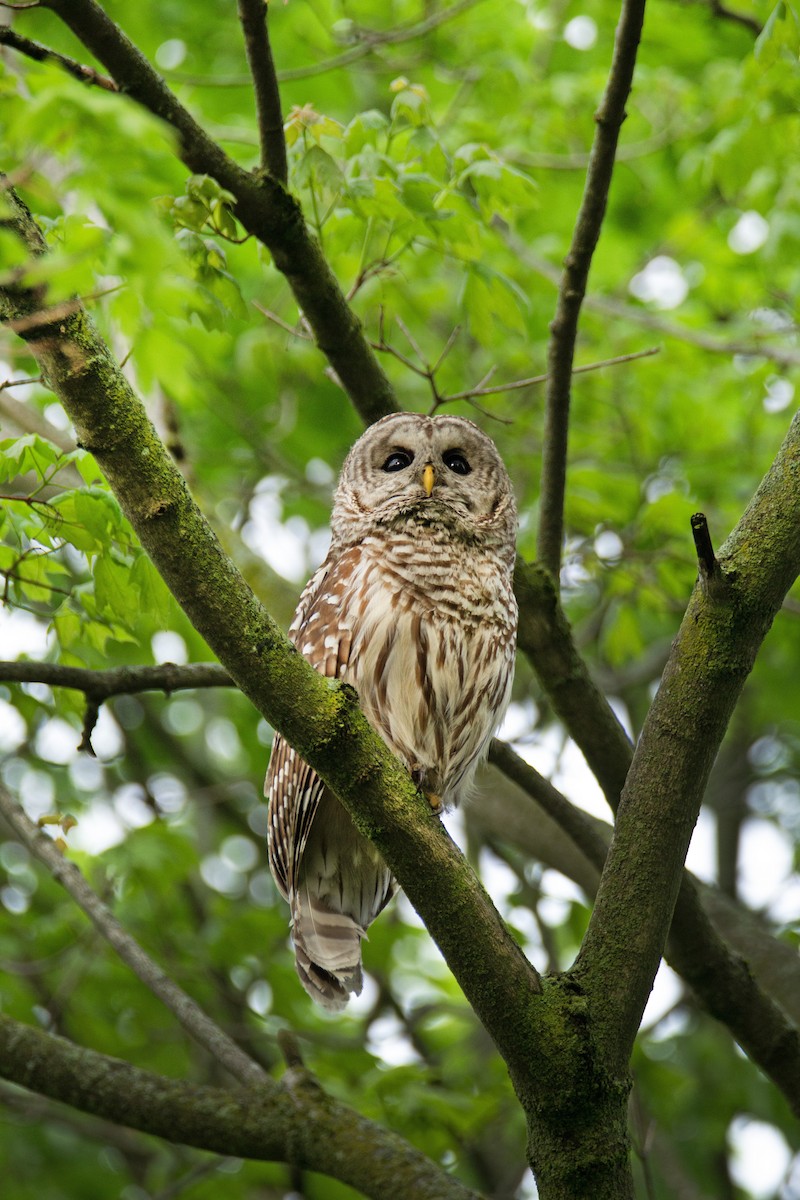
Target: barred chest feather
{"x":424,"y":630}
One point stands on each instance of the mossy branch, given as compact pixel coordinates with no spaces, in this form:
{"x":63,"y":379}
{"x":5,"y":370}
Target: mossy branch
{"x":710,"y":660}
{"x":706,"y":960}
{"x":292,"y":1121}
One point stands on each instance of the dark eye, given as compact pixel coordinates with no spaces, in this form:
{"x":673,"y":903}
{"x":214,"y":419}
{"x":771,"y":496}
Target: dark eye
{"x":398,"y":460}
{"x":454,"y":460}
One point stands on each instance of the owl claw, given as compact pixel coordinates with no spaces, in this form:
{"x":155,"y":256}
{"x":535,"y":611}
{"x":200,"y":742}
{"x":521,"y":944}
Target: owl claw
{"x":435,"y":803}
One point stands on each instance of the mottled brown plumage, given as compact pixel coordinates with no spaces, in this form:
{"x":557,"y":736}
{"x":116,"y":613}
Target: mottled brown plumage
{"x":414,"y":607}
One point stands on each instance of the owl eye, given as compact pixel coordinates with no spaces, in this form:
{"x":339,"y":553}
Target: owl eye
{"x":454,"y":460}
{"x":398,"y":460}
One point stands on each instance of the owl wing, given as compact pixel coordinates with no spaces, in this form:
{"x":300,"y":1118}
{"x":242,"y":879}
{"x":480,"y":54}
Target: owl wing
{"x":321,"y":632}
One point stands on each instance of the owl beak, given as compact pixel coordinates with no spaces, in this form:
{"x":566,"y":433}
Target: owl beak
{"x":428,"y":478}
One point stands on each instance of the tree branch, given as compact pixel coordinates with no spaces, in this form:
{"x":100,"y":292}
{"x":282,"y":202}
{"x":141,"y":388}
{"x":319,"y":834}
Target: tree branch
{"x":728,"y":14}
{"x":40,"y":53}
{"x":756,"y":346}
{"x":579,"y":827}
{"x":99,"y":686}
{"x":725,"y":984}
{"x":254,"y":16}
{"x":718,"y":975}
{"x":292,"y":1121}
{"x":494,"y":389}
{"x":205,"y":1032}
{"x":545,"y":637}
{"x":368,"y":40}
{"x":117,"y":681}
{"x":564,"y":328}
{"x":710,"y":661}
{"x":696,"y":950}
{"x":262,"y":205}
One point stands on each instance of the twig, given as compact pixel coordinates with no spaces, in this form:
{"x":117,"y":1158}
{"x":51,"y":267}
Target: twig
{"x":370,"y":40}
{"x":448,"y":346}
{"x":91,"y":716}
{"x":729,"y":14}
{"x":425,"y":370}
{"x":534,"y":379}
{"x":290,"y":1049}
{"x":40,"y":53}
{"x":12,"y":383}
{"x":579,"y":161}
{"x":30,"y":421}
{"x":401,"y":325}
{"x":299,"y":331}
{"x":191,"y":1017}
{"x":564,"y":328}
{"x":254,"y":18}
{"x":785,"y":356}
{"x":712,"y":576}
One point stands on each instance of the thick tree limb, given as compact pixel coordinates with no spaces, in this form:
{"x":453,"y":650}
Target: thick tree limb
{"x":698,"y":952}
{"x":263,"y":206}
{"x":710,"y":660}
{"x":205,"y":1031}
{"x":712,"y":966}
{"x":292,"y":1121}
{"x":254,"y":15}
{"x":721,"y":979}
{"x":564,"y":328}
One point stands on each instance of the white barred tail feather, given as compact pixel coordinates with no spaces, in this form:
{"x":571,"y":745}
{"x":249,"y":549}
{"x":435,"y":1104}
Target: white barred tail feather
{"x":414,"y":607}
{"x":327,"y":950}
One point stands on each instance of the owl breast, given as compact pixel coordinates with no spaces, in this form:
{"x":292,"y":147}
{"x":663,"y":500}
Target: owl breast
{"x":431,"y":655}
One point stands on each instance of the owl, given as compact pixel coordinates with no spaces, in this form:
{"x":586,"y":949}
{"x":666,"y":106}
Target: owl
{"x":414,"y":607}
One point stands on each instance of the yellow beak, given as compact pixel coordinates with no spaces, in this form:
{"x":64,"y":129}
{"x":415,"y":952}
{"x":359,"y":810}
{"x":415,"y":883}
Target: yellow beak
{"x":428,"y":478}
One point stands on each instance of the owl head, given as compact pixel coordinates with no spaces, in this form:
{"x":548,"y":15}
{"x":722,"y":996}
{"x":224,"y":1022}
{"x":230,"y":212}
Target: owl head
{"x":431,"y":472}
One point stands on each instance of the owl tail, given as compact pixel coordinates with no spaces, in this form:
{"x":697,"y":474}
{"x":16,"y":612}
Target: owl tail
{"x":327,"y":951}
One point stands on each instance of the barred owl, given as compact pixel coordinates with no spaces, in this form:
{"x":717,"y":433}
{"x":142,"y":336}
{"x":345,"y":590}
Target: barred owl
{"x":414,"y":607}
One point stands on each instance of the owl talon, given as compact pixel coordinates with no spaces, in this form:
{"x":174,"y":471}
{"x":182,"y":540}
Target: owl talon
{"x":435,"y":803}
